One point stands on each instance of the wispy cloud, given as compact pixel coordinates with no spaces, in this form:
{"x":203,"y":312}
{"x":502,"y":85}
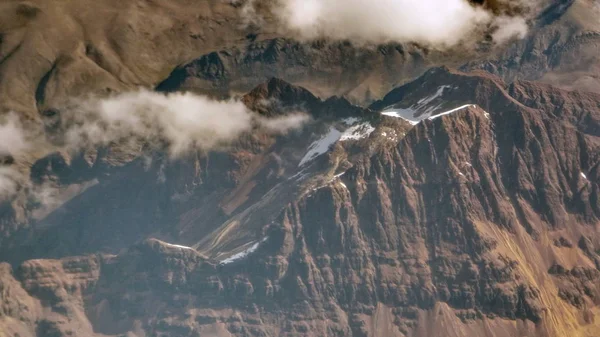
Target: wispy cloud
{"x":12,"y":137}
{"x":177,"y":123}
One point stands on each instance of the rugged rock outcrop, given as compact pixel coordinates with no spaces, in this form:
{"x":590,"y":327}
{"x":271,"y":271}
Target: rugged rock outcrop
{"x":140,"y":194}
{"x":473,"y":222}
{"x":464,"y":203}
{"x":326,"y":68}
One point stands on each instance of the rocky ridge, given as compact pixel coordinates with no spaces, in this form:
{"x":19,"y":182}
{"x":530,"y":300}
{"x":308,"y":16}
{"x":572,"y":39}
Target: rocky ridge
{"x":50,"y":53}
{"x":478,"y":221}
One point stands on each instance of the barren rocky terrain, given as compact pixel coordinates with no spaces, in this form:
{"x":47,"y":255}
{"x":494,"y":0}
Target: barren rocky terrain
{"x":429,"y":192}
{"x":51,"y":51}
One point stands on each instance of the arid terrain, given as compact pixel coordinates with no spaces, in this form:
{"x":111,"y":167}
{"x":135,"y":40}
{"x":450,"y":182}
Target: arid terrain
{"x":191,"y":168}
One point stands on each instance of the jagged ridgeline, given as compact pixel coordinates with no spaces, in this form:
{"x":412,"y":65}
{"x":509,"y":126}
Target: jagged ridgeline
{"x":457,"y":205}
{"x":275,"y":180}
{"x":207,"y":46}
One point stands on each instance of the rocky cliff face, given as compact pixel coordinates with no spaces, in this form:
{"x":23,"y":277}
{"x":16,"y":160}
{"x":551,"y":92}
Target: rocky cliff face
{"x":462,"y":203}
{"x":177,"y":200}
{"x":411,"y":218}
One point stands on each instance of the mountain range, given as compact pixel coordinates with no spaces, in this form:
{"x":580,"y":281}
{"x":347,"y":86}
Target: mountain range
{"x":423,"y":192}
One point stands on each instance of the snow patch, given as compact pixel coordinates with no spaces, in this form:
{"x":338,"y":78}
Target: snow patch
{"x":583,"y":175}
{"x":424,"y":101}
{"x":357,"y":132}
{"x":298,"y":176}
{"x":321,"y":146}
{"x":244,"y":253}
{"x":409,"y":114}
{"x":335,"y":177}
{"x":451,"y":111}
{"x":406,"y":114}
{"x":424,"y":108}
{"x":178,"y":246}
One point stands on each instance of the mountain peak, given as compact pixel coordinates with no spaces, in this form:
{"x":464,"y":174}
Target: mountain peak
{"x":276,"y":95}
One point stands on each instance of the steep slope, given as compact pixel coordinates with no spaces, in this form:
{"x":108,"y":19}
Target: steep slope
{"x":109,"y":198}
{"x":561,"y":49}
{"x":481,"y":221}
{"x":326,"y":68}
{"x":51,"y":52}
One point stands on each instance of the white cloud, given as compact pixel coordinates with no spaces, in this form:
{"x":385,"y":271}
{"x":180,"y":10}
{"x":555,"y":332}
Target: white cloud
{"x":509,"y":27}
{"x":283,"y":124}
{"x":12,"y":137}
{"x":181,"y":121}
{"x":437,"y":23}
{"x":13,"y":141}
{"x":178,"y":123}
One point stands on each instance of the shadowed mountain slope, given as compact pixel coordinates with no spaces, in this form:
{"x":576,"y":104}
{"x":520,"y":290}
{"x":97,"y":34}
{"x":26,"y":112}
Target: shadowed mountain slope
{"x":473,"y":221}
